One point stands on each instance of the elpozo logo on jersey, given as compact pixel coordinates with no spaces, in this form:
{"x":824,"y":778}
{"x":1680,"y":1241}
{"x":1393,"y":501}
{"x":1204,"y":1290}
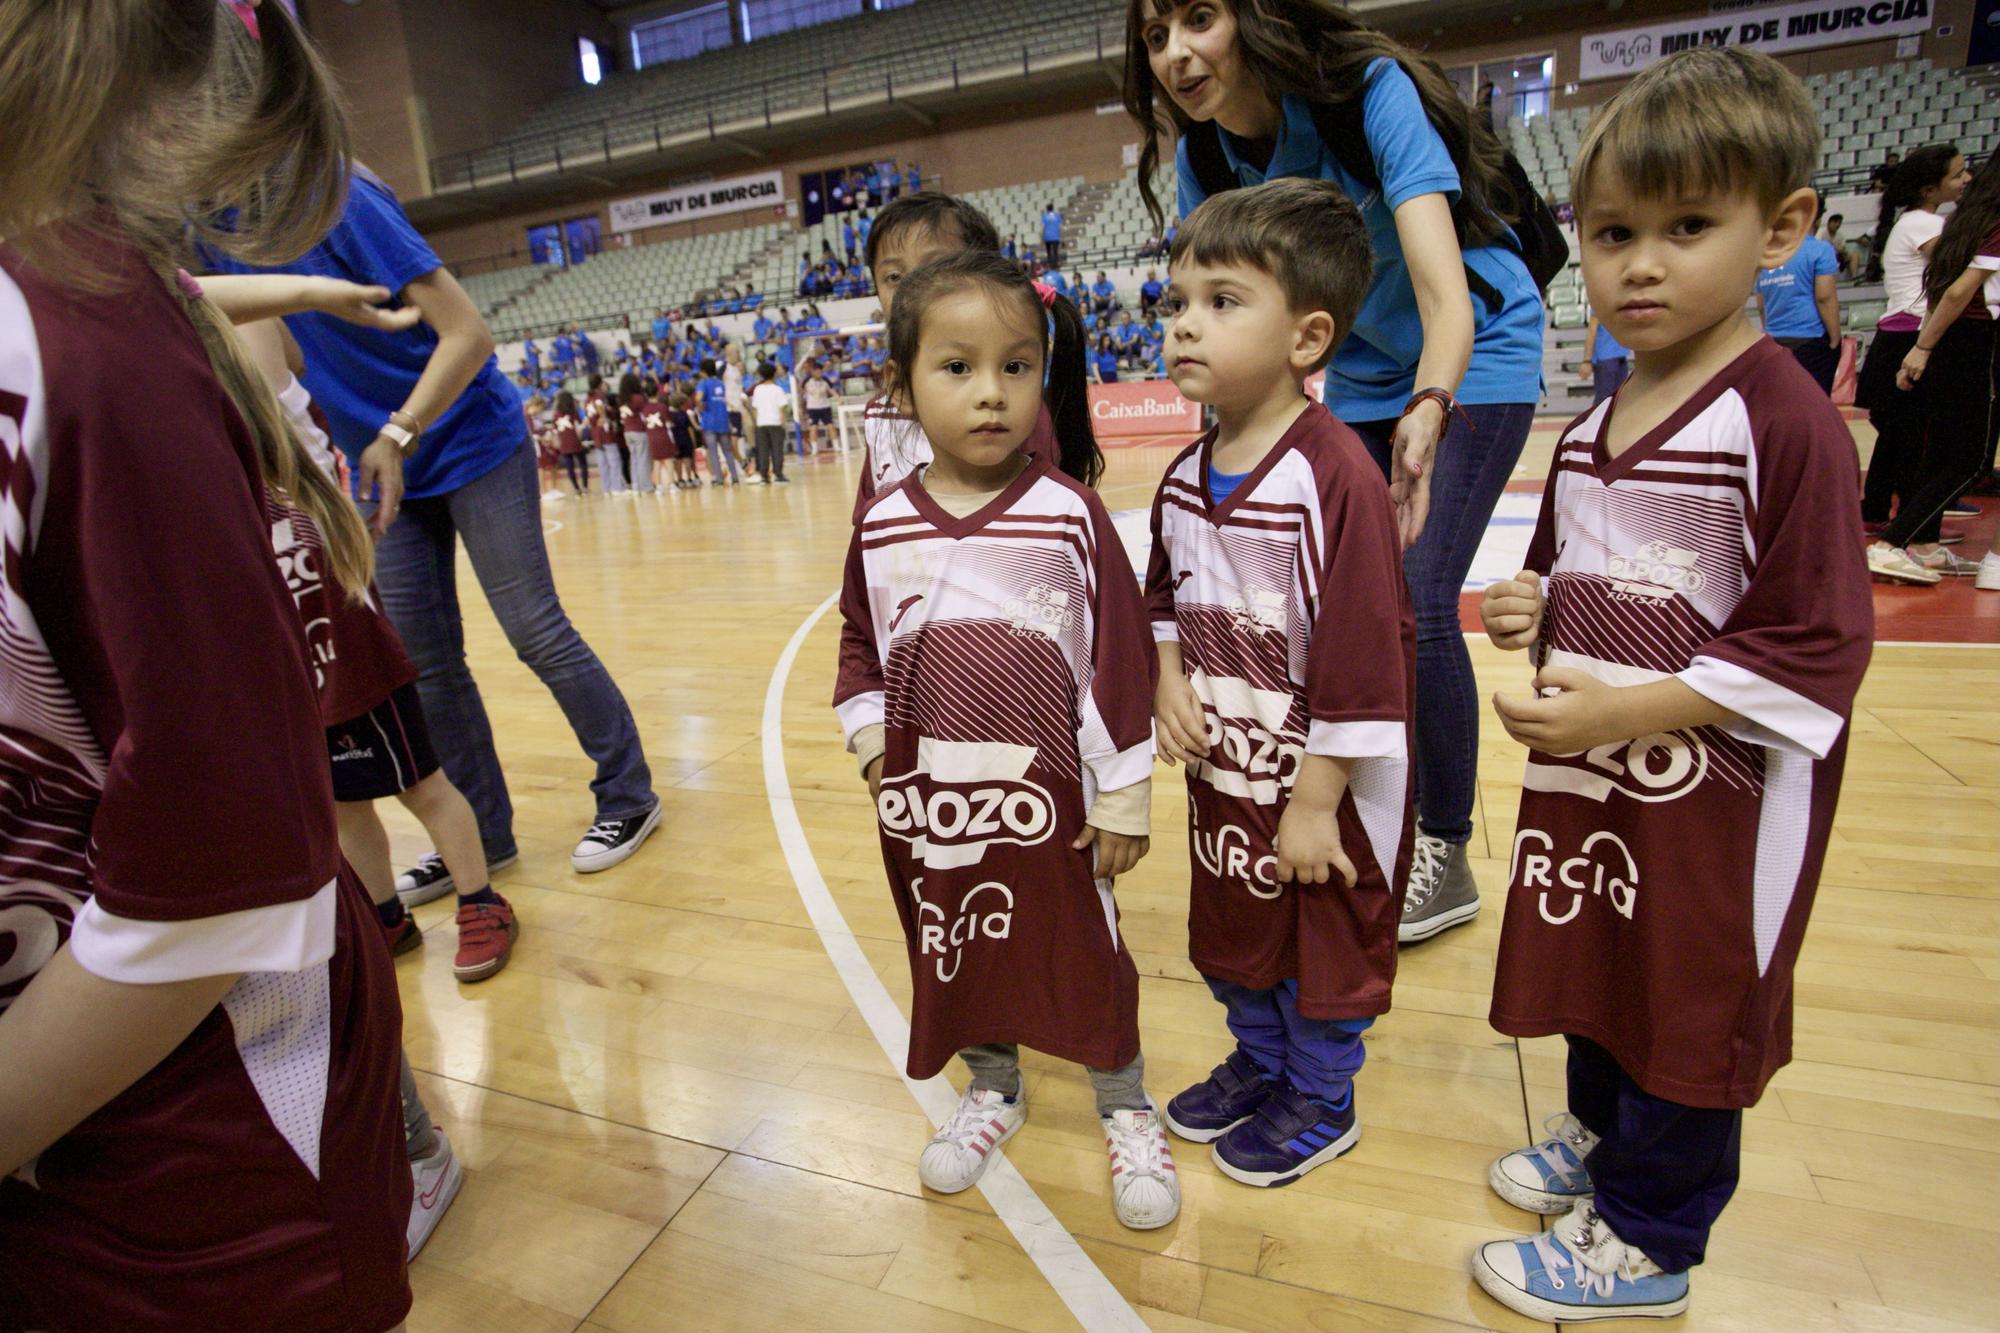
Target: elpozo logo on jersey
{"x":1664,"y":766}
{"x":1656,"y":571}
{"x":963,"y":797}
{"x":1041,"y":610}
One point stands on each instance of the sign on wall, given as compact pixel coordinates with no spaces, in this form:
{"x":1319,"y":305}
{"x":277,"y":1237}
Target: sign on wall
{"x":1773,"y":30}
{"x":705,"y":200}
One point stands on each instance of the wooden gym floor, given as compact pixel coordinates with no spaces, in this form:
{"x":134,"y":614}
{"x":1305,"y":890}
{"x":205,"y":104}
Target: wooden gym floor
{"x":674,"y":1116}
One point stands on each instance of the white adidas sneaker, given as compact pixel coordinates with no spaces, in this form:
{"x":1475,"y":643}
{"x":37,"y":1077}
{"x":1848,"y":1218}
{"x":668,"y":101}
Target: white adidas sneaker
{"x":958,"y":1154}
{"x":1145,"y":1190}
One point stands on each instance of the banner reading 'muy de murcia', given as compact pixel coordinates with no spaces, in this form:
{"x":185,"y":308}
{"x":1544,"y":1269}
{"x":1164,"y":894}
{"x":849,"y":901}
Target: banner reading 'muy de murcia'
{"x":1772,"y":30}
{"x":705,"y":199}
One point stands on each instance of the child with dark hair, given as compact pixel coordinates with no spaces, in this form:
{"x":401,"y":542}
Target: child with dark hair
{"x":1287,"y":665}
{"x":994,"y":640}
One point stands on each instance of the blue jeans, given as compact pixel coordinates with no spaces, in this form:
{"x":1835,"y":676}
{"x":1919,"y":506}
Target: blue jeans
{"x":1471,"y":469}
{"x":1320,"y":1056}
{"x":499,"y":516}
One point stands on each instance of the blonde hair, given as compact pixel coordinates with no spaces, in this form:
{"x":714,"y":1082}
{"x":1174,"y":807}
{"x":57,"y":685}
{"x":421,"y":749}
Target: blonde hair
{"x":1705,"y":120}
{"x":140,"y":118}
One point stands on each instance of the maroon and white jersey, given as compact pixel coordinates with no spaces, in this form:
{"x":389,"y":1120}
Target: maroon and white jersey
{"x":896,"y":446}
{"x":1006,"y":656}
{"x":357,"y":658}
{"x":1659,"y":887}
{"x":166,"y":810}
{"x":1295,"y":629}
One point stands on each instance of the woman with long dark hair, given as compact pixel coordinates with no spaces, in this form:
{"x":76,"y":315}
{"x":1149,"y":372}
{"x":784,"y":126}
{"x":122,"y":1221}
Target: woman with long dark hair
{"x":1952,"y":365}
{"x":1443,"y":369}
{"x":1905,"y":233}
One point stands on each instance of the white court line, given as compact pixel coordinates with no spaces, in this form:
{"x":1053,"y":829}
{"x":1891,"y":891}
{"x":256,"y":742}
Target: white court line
{"x":1089,"y":1295}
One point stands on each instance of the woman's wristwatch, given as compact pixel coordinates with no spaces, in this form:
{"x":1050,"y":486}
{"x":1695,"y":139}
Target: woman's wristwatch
{"x":404,"y":430}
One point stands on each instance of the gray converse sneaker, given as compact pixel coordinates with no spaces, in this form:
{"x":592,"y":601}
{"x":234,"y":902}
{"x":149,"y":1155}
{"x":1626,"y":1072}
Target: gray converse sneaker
{"x":1441,"y":894}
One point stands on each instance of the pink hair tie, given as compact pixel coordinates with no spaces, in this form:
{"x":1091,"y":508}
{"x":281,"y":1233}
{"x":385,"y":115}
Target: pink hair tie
{"x":1048,"y":295}
{"x":248,"y":13}
{"x":189,"y":287}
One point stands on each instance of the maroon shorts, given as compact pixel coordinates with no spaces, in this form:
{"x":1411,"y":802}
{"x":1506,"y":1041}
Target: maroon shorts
{"x":385,"y":751}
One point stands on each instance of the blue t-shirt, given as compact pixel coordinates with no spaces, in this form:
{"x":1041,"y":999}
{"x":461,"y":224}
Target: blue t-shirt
{"x":1222,"y":485}
{"x":1374,"y":371}
{"x":1107,"y":367}
{"x":1790,"y":310}
{"x":1060,"y":283}
{"x":1152,"y":289}
{"x":662,"y":326}
{"x":359,"y":376}
{"x":847,"y":234}
{"x":714,"y":406}
{"x":914,"y":180}
{"x":1103,"y":290}
{"x":532,"y":353}
{"x":1608,"y":348}
{"x":867,"y":225}
{"x":763,"y":327}
{"x":1052,"y":225}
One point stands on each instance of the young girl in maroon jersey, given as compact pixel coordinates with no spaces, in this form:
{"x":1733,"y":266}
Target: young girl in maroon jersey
{"x":198,"y":1119}
{"x":995,"y":678}
{"x":567,"y":425}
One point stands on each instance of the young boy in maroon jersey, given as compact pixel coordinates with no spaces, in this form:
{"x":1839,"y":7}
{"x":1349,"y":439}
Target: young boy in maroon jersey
{"x":1287,"y":661}
{"x":1699,"y":640}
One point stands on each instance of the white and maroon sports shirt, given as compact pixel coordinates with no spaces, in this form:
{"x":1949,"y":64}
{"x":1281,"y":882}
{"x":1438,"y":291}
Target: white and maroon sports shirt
{"x":1295,"y":630}
{"x":897,"y":446}
{"x":1659,"y":887}
{"x":1006,"y":656}
{"x":166,"y":810}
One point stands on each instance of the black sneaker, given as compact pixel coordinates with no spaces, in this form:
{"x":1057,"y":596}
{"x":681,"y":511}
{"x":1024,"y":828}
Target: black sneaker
{"x":610,"y":841}
{"x":1222,"y":1101}
{"x":1290,"y":1135}
{"x":428,"y":880}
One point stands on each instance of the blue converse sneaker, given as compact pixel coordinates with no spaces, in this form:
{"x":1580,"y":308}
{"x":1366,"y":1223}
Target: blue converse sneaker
{"x":1548,"y":1178}
{"x":1578,"y":1270}
{"x":1222,"y":1101}
{"x":1288,"y":1136}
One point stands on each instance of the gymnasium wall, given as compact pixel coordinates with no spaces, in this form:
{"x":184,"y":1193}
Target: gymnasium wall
{"x":424,"y":71}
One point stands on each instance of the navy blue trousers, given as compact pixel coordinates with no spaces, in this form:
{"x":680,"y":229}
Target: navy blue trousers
{"x":1663,"y":1172}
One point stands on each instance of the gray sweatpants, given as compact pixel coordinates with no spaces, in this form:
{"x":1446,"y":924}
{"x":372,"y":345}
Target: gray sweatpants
{"x":996,"y":1067}
{"x":417,"y":1136}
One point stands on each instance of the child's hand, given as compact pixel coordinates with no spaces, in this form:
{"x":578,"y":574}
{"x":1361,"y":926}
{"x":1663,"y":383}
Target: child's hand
{"x":1309,"y":846}
{"x":875,"y":778}
{"x":1116,"y":852}
{"x":359,"y":304}
{"x":1584,"y":714}
{"x":1180,"y":725}
{"x":1512,"y":611}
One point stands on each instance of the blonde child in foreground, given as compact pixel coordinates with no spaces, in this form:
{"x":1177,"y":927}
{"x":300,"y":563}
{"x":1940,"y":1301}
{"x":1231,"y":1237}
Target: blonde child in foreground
{"x":1287,"y":668}
{"x":1700,"y":627}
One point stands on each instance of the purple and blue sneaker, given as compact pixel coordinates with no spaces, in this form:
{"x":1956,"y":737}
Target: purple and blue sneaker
{"x":1289,"y":1135}
{"x":1220,"y":1102}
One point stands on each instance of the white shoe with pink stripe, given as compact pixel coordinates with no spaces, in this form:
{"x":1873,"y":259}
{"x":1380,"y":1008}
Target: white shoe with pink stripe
{"x":1145,"y":1189}
{"x":957,"y":1155}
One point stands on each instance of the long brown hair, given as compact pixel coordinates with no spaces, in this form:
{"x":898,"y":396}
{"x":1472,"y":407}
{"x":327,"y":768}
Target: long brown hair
{"x":1316,"y":50}
{"x":1965,"y":231}
{"x":148,"y":117}
{"x":1927,"y":166}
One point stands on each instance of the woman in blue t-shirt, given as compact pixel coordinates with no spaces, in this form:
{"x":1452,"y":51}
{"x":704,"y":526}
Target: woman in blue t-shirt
{"x":426,"y":415}
{"x":1422,"y":344}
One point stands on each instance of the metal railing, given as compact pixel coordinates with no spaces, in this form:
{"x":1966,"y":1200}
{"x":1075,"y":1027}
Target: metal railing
{"x":874,"y":78}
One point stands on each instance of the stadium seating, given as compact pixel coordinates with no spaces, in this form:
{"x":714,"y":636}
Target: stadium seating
{"x":850,"y":61}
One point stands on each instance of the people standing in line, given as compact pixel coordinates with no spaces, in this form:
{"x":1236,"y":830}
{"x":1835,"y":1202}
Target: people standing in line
{"x":606,"y":441}
{"x":1799,"y":305}
{"x":1692,"y":611}
{"x":1442,"y":371}
{"x":434,"y":435}
{"x":1953,"y":369}
{"x":568,"y":426}
{"x":1905,"y":234}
